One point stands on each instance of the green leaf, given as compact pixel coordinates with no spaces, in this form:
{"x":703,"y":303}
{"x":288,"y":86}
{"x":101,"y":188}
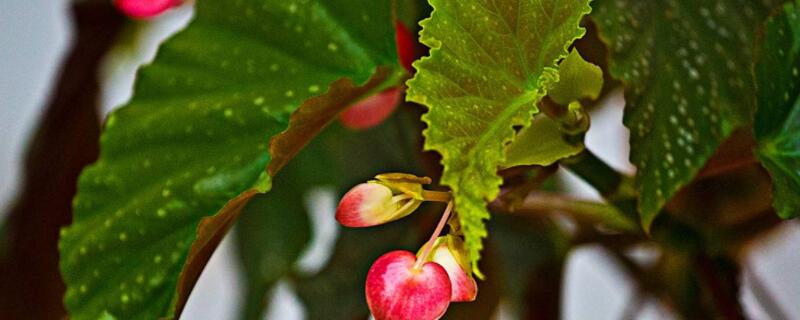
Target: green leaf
{"x":490,"y":63}
{"x":777,"y":124}
{"x":183,"y":157}
{"x":685,"y":68}
{"x":577,"y":79}
{"x":541,"y":144}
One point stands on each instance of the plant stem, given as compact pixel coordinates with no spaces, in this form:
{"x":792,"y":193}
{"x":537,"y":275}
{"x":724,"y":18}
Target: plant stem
{"x":429,"y":245}
{"x":68,"y":130}
{"x":437,"y":196}
{"x":539,"y":202}
{"x":516,"y":194}
{"x":614,"y":186}
{"x":596,"y":172}
{"x":723,"y":293}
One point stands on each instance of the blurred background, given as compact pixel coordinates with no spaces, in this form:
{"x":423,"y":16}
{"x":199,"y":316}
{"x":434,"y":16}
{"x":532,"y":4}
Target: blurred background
{"x":35,"y":36}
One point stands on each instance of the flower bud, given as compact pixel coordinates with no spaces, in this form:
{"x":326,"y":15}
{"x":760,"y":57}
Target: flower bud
{"x":404,"y":183}
{"x":449,"y":252}
{"x":405,"y":45}
{"x":371,"y":111}
{"x":397,"y":290}
{"x":372,"y":203}
{"x":392,"y":196}
{"x":144,"y":9}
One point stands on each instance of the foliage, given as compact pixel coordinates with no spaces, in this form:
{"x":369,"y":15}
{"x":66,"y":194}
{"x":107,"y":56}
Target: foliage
{"x":477,"y":95}
{"x":543,"y":142}
{"x":231,"y":108}
{"x":193,"y":143}
{"x":777,"y":124}
{"x":685,"y":67}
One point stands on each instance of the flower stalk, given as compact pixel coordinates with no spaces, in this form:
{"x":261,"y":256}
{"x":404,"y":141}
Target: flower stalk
{"x":429,"y":245}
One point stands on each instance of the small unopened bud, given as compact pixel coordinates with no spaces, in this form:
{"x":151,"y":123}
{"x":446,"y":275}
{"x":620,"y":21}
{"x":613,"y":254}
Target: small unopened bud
{"x":449,"y":252}
{"x":372,"y":110}
{"x":405,"y":45}
{"x":372,"y":203}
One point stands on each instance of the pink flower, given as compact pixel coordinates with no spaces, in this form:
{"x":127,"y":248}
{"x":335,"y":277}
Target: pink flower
{"x":449,"y":252}
{"x":373,"y":203}
{"x":399,"y":289}
{"x":405,"y":45}
{"x":144,"y":9}
{"x":390,"y":197}
{"x":372,"y":110}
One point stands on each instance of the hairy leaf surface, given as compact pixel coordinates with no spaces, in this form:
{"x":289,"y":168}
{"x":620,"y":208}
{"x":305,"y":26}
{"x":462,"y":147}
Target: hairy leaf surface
{"x":777,"y":125}
{"x":184,"y":156}
{"x":685,"y":65}
{"x":490,"y":63}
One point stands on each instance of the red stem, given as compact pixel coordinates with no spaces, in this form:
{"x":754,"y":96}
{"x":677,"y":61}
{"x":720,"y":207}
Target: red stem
{"x":429,"y":245}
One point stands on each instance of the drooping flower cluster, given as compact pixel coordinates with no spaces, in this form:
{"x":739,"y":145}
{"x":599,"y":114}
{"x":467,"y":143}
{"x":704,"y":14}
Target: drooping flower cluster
{"x":400,"y":284}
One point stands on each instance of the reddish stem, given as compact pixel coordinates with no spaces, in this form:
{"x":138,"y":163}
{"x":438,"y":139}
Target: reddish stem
{"x":429,"y":245}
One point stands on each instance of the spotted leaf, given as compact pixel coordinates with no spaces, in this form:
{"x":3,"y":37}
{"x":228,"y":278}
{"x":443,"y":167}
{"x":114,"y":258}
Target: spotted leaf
{"x":777,"y":125}
{"x":685,"y":65}
{"x":490,"y":63}
{"x":183,"y":157}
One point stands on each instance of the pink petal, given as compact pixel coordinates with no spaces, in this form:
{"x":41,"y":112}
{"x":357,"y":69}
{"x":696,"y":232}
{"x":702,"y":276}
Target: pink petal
{"x":464,"y":287}
{"x":365,"y":205}
{"x":397,"y":291}
{"x":371,"y":111}
{"x":144,"y":9}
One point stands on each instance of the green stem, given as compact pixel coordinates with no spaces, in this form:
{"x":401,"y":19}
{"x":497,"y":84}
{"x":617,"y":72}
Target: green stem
{"x":614,"y":186}
{"x":589,"y":211}
{"x":597,"y":173}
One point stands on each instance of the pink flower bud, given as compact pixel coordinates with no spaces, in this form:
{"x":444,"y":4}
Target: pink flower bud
{"x":372,"y":203}
{"x":371,"y":111}
{"x":449,"y":252}
{"x":144,"y":9}
{"x":395,"y":289}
